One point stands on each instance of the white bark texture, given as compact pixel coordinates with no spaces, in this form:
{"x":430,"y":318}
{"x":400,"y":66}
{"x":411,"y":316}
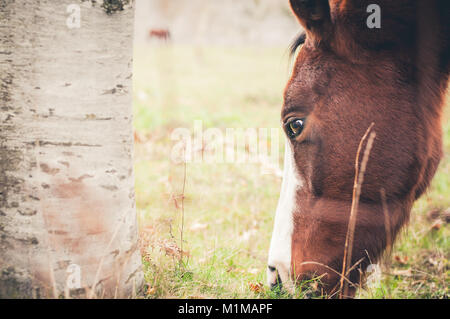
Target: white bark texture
{"x":66,"y":172}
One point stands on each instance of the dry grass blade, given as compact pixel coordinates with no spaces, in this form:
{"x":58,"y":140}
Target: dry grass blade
{"x":99,"y":269}
{"x":182,"y":207}
{"x":359,"y":178}
{"x":329,"y":268}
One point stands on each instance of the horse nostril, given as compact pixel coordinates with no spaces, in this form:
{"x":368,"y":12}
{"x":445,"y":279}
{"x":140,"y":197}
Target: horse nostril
{"x":277,"y":285}
{"x":277,"y":282}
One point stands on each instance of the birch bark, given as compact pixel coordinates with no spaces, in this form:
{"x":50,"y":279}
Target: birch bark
{"x":67,"y":210}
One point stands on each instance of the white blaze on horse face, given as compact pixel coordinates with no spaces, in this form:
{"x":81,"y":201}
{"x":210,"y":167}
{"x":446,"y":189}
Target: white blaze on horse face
{"x":280,"y":245}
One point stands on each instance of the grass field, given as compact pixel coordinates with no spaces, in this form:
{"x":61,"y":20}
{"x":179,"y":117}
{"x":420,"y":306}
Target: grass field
{"x":224,"y":212}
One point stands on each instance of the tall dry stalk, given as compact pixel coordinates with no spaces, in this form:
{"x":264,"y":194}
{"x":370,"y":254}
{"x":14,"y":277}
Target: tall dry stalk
{"x":182,"y":210}
{"x":359,"y":178}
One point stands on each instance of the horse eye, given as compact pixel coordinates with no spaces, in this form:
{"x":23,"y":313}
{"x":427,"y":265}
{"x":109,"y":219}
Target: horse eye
{"x":294,"y":127}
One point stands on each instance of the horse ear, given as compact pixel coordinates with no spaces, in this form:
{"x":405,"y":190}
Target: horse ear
{"x":313,"y":15}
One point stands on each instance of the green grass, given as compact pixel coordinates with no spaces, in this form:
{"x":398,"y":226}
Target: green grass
{"x":229,"y":208}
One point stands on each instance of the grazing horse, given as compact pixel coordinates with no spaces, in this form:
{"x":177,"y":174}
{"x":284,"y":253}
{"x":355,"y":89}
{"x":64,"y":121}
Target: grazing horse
{"x":162,"y":34}
{"x":351,"y":78}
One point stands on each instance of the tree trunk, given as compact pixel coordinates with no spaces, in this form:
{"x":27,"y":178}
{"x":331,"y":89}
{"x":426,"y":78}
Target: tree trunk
{"x":67,"y":211}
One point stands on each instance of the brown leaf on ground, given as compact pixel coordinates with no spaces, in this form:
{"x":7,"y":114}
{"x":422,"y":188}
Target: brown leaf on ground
{"x":257,"y":288}
{"x":401,"y":260}
{"x":151,"y":290}
{"x":436,"y":225}
{"x":170,"y":248}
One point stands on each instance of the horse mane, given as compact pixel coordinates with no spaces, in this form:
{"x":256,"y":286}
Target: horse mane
{"x":298,"y":41}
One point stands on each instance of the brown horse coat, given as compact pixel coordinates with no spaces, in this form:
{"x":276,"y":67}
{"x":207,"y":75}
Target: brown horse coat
{"x":347,"y":76}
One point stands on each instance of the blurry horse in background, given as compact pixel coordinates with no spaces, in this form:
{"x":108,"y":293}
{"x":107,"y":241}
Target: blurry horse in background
{"x":350,"y":80}
{"x":160,"y":34}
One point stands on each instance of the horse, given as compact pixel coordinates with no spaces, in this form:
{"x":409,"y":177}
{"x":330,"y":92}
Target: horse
{"x":161,"y":34}
{"x":362,"y":115}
